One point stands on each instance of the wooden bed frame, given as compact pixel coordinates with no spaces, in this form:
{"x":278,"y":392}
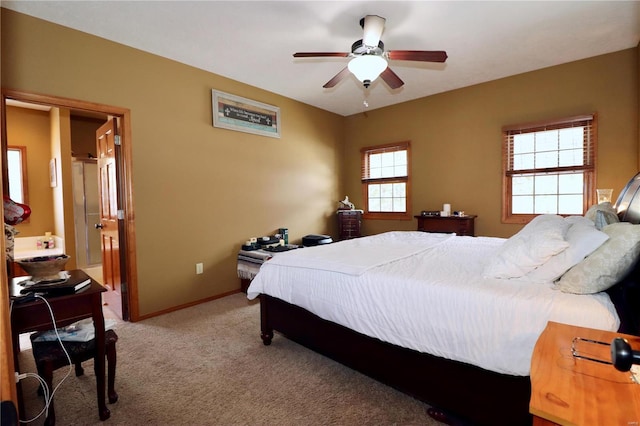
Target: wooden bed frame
{"x":467,"y":393}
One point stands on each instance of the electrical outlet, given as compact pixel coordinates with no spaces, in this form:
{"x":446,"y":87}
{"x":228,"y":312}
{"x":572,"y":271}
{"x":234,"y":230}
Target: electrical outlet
{"x":199,"y":268}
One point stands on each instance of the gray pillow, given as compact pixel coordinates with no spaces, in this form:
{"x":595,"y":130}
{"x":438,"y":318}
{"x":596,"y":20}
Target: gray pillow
{"x":604,"y":218}
{"x":605,"y":207}
{"x":608,"y":264}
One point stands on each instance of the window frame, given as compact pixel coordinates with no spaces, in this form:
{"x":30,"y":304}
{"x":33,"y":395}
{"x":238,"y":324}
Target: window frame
{"x":366,"y":181}
{"x":590,"y":145}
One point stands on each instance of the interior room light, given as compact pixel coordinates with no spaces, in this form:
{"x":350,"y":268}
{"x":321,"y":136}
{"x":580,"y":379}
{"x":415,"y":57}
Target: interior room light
{"x":373,"y":27}
{"x":367,"y":68}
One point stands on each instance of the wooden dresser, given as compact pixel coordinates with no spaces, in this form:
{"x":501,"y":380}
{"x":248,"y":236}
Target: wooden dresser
{"x":566,"y":390}
{"x":461,"y":225}
{"x":349,"y":224}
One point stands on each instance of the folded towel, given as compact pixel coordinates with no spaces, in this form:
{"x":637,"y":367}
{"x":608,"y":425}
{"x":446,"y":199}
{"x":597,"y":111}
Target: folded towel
{"x":250,"y":261}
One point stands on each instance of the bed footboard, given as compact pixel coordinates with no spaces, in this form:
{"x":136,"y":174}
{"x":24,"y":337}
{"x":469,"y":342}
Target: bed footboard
{"x":478,"y":396}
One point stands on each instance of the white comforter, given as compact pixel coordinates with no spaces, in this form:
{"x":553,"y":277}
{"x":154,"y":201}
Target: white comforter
{"x":426,"y":292}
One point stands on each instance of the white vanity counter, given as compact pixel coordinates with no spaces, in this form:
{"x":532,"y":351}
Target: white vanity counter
{"x":26,"y":248}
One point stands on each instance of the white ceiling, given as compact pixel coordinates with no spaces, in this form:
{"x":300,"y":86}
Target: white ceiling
{"x":253,"y":42}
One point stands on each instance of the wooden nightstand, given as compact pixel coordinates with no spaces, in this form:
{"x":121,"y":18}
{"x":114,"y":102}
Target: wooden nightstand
{"x":349,"y":223}
{"x":461,"y":225}
{"x":566,"y":390}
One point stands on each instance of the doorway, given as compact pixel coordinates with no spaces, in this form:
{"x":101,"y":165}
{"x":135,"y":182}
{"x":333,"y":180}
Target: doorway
{"x":126,"y":299}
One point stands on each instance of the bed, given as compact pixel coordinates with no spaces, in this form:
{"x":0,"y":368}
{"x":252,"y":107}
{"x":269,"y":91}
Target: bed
{"x":452,"y":320}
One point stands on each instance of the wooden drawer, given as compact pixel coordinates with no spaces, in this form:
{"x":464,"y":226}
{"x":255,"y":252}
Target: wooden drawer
{"x":349,"y":223}
{"x":464,"y":225}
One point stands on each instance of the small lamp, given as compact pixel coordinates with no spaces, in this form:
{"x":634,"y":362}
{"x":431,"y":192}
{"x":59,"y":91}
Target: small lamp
{"x":367,"y":68}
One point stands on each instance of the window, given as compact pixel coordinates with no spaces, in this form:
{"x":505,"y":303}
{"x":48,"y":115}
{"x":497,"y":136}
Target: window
{"x":17,"y":174}
{"x":549,"y":168}
{"x":386,"y":181}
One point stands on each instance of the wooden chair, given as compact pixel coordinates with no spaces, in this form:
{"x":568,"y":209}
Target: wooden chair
{"x":49,"y":356}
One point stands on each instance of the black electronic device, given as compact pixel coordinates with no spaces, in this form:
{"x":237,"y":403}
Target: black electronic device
{"x":429,"y":213}
{"x":280,"y":249}
{"x":69,"y":285}
{"x":622,"y":356}
{"x":316,"y":240}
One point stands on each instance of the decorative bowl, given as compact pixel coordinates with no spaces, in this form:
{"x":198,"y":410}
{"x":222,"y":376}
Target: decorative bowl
{"x":44,"y":267}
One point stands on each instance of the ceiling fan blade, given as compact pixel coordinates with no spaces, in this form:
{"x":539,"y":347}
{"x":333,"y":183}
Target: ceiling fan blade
{"x":320,"y":54}
{"x":391,"y":78}
{"x":373,"y":25}
{"x":418,"y":55}
{"x":338,"y":77}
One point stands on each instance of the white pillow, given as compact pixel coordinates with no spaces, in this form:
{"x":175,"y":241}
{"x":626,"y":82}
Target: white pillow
{"x":608,"y":264}
{"x":540,"y":239}
{"x":583,"y":239}
{"x":572,"y":220}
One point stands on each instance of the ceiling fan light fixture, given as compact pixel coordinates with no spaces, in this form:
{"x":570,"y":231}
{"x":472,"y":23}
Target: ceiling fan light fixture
{"x":367,"y":68}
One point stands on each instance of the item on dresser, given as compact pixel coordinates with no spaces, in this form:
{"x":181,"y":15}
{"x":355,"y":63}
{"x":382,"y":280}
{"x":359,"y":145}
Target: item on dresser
{"x":284,"y":232}
{"x":281,"y":248}
{"x":316,"y":240}
{"x":346,"y":204}
{"x":270,"y":241}
{"x":249,"y":246}
{"x":44,"y":267}
{"x":62,"y":283}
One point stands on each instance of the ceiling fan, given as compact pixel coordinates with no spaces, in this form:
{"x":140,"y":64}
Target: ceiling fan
{"x":370,"y":59}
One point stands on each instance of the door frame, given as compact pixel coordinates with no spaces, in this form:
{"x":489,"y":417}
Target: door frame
{"x":128,"y":273}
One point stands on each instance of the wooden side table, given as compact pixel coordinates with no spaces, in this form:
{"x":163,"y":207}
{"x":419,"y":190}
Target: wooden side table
{"x":35,"y":316}
{"x":461,"y":225}
{"x":566,"y":390}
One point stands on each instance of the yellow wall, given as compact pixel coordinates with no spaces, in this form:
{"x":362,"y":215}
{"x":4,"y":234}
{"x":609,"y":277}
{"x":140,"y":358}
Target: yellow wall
{"x":199,"y":191}
{"x":456,"y":136}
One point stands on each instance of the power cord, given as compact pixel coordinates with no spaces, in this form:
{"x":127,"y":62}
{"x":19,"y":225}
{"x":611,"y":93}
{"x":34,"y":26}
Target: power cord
{"x":45,"y":391}
{"x":45,"y":388}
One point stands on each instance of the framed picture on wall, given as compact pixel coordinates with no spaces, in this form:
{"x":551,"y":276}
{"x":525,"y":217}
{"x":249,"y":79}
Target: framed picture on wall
{"x":244,"y":115}
{"x":53,"y":173}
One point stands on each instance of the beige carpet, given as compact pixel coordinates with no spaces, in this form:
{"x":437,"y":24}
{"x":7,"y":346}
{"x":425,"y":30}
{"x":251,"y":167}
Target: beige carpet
{"x":206,"y":365}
